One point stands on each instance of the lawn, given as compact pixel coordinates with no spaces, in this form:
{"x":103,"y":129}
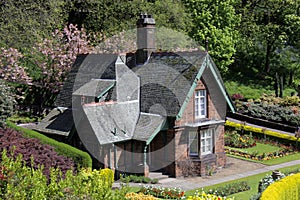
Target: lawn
{"x":259,"y":148}
{"x":251,"y":180}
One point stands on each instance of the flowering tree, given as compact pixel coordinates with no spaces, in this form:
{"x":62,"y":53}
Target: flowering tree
{"x":41,"y":70}
{"x":54,"y":57}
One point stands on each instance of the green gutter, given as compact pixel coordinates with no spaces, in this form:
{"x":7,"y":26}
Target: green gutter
{"x":190,"y":93}
{"x":221,"y":86}
{"x":106,"y":90}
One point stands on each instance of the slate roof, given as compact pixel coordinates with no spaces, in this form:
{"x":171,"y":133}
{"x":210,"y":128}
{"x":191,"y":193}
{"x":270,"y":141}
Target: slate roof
{"x":148,"y":126}
{"x":94,"y":87}
{"x":112,"y":122}
{"x":59,"y":121}
{"x":85,"y":68}
{"x":166,"y":80}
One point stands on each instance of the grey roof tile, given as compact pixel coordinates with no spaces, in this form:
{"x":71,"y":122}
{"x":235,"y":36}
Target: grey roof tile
{"x":147,"y":126}
{"x":59,"y":121}
{"x":85,"y":68}
{"x":94,"y":87}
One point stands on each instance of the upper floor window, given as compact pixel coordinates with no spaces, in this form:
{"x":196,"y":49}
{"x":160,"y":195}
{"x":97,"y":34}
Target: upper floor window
{"x":200,"y":104}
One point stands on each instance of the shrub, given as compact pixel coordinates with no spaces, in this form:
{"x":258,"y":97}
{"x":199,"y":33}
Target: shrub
{"x":79,"y":157}
{"x":264,"y":183}
{"x":287,"y":188}
{"x":24,"y":182}
{"x":137,"y":179}
{"x":34,"y":153}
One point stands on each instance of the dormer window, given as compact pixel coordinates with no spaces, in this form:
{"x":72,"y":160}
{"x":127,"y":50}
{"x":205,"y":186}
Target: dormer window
{"x":200,"y":104}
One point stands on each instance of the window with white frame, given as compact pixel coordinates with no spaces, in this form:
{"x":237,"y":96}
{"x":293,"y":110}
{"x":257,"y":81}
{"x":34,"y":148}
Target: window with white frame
{"x":200,"y":104}
{"x":193,"y":143}
{"x":206,"y":141}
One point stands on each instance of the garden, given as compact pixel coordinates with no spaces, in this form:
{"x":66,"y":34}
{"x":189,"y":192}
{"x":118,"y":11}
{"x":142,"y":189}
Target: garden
{"x":259,"y":144}
{"x":30,"y":168}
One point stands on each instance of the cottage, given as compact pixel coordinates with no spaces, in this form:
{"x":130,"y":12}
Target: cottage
{"x":146,"y":110}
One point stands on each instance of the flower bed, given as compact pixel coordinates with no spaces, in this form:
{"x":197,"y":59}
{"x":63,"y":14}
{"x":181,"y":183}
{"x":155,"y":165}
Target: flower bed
{"x":259,"y":157}
{"x":204,"y":196}
{"x":139,"y":196}
{"x":234,"y":139}
{"x":229,"y":189}
{"x":160,"y":192}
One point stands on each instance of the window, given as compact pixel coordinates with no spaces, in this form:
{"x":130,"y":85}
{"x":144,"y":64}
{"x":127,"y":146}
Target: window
{"x":200,"y":104}
{"x":193,"y":143}
{"x":201,"y":143}
{"x":206,"y":141}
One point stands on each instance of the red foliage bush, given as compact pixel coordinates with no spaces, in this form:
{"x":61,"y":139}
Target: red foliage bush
{"x":42,"y":154}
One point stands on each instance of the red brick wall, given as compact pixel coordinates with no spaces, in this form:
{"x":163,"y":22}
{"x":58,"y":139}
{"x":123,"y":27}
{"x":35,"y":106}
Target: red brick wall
{"x":202,"y":164}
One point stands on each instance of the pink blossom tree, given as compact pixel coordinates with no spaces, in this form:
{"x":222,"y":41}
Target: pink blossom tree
{"x":41,"y":71}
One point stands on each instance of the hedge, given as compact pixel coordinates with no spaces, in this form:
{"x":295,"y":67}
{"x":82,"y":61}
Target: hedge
{"x":79,"y":157}
{"x":287,"y":188}
{"x":260,"y":130}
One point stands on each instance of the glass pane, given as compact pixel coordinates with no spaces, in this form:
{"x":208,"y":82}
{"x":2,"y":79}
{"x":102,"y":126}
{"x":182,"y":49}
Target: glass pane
{"x":203,"y":149}
{"x":194,"y":147}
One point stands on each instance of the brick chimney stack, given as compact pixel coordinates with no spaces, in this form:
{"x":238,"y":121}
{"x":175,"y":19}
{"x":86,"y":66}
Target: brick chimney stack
{"x":145,"y":37}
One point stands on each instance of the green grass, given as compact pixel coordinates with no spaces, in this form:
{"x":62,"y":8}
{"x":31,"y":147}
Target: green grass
{"x":265,"y":148}
{"x":251,"y":180}
{"x":252,"y":90}
{"x":260,"y":148}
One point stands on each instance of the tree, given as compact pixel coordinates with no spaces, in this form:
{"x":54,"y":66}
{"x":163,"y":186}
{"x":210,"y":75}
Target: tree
{"x":7,"y":102}
{"x":269,"y":34}
{"x":270,"y":24}
{"x":214,"y":26}
{"x":110,"y":17}
{"x":39,"y":72}
{"x":23,"y":22}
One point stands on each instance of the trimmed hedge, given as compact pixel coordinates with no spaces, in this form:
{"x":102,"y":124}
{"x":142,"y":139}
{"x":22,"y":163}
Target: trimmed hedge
{"x":287,"y":188}
{"x":81,"y":158}
{"x":260,"y":130}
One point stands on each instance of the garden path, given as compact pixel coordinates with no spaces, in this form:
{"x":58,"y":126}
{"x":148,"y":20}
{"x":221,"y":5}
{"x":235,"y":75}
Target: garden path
{"x":234,"y":169}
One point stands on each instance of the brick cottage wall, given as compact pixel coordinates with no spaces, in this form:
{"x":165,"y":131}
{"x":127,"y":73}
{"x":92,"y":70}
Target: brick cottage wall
{"x":203,"y":164}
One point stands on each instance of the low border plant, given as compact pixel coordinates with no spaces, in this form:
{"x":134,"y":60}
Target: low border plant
{"x":204,"y":196}
{"x":230,"y":189}
{"x":161,"y":192}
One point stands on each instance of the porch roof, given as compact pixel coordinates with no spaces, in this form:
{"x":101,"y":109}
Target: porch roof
{"x":148,"y":126}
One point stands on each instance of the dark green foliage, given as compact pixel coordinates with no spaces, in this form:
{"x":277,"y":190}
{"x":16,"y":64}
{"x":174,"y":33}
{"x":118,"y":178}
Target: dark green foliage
{"x":24,"y":22}
{"x":81,"y":158}
{"x":230,"y":189}
{"x":111,"y":17}
{"x":137,"y":179}
{"x":275,"y":113}
{"x":214,"y":24}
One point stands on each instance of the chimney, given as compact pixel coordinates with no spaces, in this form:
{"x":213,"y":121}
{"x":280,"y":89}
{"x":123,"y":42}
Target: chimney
{"x":145,"y":37}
